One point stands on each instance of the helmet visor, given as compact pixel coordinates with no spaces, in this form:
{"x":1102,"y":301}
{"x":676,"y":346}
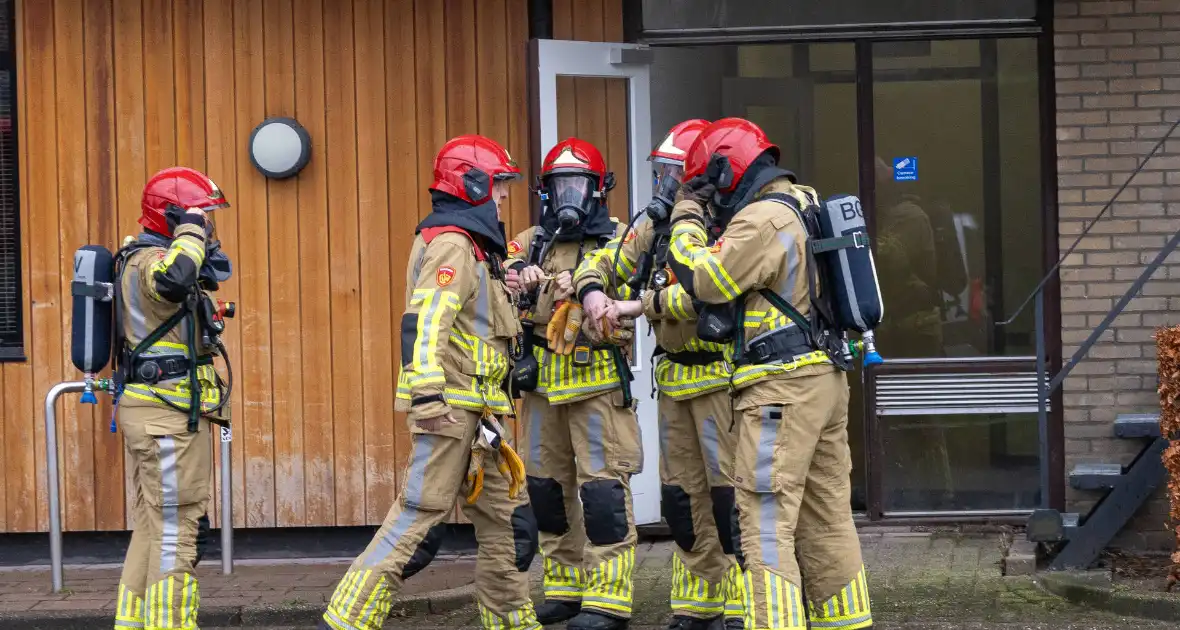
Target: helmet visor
{"x":666,"y":180}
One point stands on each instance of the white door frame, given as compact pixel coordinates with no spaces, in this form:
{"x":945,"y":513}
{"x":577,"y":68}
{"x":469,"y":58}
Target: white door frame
{"x":549,"y":60}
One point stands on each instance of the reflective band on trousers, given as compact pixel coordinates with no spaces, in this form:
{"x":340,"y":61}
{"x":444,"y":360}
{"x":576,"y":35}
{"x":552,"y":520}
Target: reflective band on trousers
{"x":735,"y":592}
{"x":523,"y":618}
{"x":128,"y":609}
{"x":563,"y":582}
{"x":369,"y":616}
{"x":783,"y":607}
{"x":160,"y":602}
{"x":848,"y":609}
{"x":694,"y":595}
{"x":609,"y":586}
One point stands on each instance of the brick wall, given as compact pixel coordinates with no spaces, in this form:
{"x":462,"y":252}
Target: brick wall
{"x":1118,"y":90}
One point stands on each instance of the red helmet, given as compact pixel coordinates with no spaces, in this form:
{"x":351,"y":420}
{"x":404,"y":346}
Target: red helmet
{"x":575,"y":156}
{"x":466,"y":166}
{"x":177,"y":189}
{"x":738,"y":139}
{"x":679,"y":140}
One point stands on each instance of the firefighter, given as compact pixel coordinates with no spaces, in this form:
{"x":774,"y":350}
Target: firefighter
{"x":581,"y":431}
{"x":792,"y":461}
{"x":696,"y":446}
{"x":169,"y":392}
{"x":456,"y":342}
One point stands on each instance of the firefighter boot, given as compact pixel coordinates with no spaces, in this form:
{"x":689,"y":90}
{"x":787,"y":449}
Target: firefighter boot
{"x":557,"y":611}
{"x":680,"y":622}
{"x":587,"y":620}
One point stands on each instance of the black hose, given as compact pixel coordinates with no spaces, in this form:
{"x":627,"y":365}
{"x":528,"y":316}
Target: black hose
{"x":614,"y":275}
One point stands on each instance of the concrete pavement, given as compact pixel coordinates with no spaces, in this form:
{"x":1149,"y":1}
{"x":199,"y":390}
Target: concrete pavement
{"x":918,"y":581}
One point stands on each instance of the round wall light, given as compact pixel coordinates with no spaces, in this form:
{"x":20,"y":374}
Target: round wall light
{"x":280,"y":147}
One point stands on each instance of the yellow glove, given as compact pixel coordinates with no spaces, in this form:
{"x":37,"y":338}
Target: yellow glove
{"x":573,"y":326}
{"x":489,"y":442}
{"x":554,"y":331}
{"x":623,"y":335}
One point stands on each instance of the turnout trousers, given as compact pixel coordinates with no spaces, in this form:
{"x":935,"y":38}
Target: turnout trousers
{"x":792,"y":474}
{"x":580,"y":457}
{"x":697,"y":501}
{"x":412,"y":533}
{"x":171,"y":472}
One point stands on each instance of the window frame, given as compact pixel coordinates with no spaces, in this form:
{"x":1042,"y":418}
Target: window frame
{"x":12,"y":347}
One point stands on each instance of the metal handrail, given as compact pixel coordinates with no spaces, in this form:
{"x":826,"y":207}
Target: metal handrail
{"x":1046,"y":386}
{"x":55,"y":526}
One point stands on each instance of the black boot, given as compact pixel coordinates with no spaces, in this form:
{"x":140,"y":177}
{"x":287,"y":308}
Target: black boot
{"x":680,"y":622}
{"x":557,"y":611}
{"x":587,"y":620}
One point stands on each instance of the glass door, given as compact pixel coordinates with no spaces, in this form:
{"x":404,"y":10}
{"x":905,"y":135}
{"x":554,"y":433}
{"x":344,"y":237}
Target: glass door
{"x":600,"y":92}
{"x":959,"y":241}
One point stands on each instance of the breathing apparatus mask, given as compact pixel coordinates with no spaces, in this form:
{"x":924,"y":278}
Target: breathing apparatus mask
{"x":571,"y":198}
{"x":665,"y":182}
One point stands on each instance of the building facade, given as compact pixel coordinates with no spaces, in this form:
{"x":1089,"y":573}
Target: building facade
{"x":981,"y":137}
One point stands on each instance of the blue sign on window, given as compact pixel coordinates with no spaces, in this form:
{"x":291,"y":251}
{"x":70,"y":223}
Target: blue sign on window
{"x":905,"y":169}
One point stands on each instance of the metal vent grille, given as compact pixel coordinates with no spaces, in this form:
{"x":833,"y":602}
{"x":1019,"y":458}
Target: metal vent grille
{"x":10,"y":263}
{"x":949,"y":394}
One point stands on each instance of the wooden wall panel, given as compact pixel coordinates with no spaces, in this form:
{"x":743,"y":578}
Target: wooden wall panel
{"x":109,"y":91}
{"x":222,"y":151}
{"x":376,"y":361}
{"x":43,"y":187}
{"x":77,"y":421}
{"x":319,"y":491}
{"x":401,"y":105}
{"x":283,"y":232}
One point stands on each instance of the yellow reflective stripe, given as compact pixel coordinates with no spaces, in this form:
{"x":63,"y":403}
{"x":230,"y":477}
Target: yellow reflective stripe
{"x":693,"y":593}
{"x":686,"y":381}
{"x":432,"y":305}
{"x":734,"y":592}
{"x":678,"y":302}
{"x":129,"y":609}
{"x":561,"y":381}
{"x":687,"y":249}
{"x":750,"y":373}
{"x":423,"y":379}
{"x":346,"y":596}
{"x":562,"y":582}
{"x":849,"y":609}
{"x":609,"y":585}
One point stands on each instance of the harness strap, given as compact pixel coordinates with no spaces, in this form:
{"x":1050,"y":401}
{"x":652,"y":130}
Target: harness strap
{"x":430,"y":233}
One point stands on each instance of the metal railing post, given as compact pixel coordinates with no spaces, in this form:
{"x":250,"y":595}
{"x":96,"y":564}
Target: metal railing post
{"x":227,"y":503}
{"x":1042,"y":398}
{"x":55,"y":560}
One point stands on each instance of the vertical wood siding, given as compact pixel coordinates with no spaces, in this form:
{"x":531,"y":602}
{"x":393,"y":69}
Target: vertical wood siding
{"x":112,"y":90}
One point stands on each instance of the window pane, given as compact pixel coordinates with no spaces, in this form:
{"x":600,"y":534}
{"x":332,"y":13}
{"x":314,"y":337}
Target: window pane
{"x":960,"y":462}
{"x":11,"y":332}
{"x":804,"y":97}
{"x":958,"y":230}
{"x":696,"y":14}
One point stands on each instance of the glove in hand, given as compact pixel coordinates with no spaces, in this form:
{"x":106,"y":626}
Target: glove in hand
{"x":562,"y":331}
{"x":490,"y":443}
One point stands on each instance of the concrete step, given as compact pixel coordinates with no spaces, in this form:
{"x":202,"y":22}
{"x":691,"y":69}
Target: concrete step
{"x":1137,"y":425}
{"x":1095,"y":476}
{"x":1071,"y":521}
{"x":1051,"y":526}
